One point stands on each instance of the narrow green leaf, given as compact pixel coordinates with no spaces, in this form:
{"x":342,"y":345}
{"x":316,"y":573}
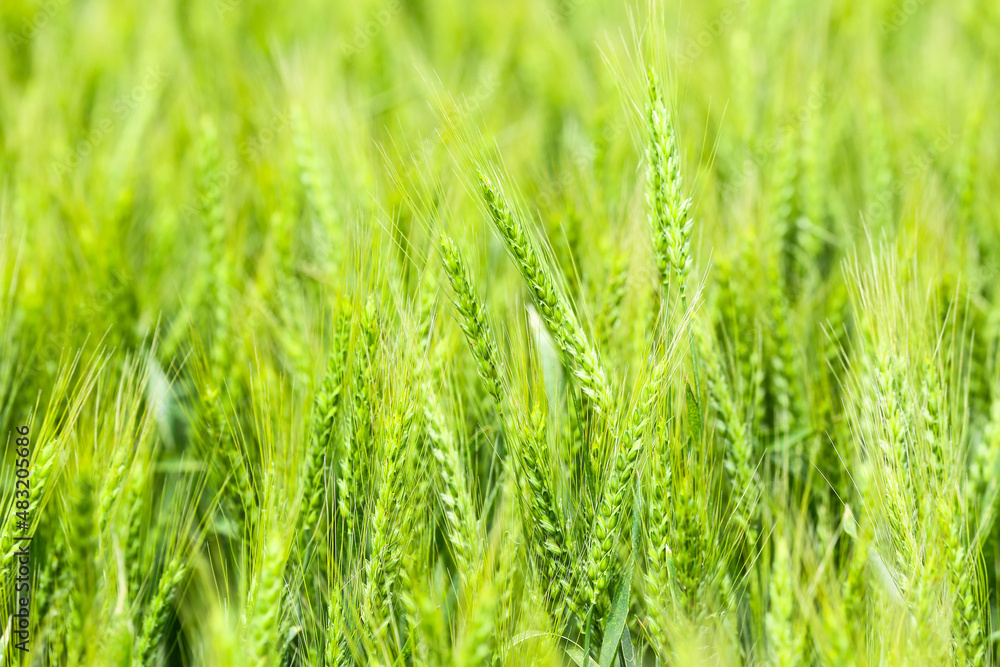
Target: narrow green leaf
{"x":575,"y":654}
{"x":694,"y":414}
{"x":616,"y":619}
{"x":636,"y":518}
{"x":628,"y":651}
{"x":850,"y":525}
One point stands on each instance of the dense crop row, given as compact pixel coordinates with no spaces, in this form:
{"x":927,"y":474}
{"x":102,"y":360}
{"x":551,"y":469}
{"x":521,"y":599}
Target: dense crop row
{"x":449,"y":333}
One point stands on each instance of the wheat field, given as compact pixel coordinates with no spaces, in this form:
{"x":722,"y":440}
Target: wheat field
{"x":534,"y":332}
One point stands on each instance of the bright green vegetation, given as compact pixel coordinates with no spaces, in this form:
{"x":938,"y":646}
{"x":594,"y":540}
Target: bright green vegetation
{"x":502,"y":333}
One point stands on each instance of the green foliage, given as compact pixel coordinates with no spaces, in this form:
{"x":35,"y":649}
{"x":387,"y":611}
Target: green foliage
{"x":501,"y":333}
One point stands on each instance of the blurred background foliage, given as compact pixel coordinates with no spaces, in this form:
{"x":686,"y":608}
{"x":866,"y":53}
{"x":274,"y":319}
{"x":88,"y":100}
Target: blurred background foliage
{"x":193,"y":192}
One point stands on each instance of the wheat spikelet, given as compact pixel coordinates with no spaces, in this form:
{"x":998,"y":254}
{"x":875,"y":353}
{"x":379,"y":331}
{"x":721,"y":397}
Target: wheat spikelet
{"x":474,"y":321}
{"x":541,"y":515}
{"x":312,"y":173}
{"x":784,"y":645}
{"x":453,"y":490}
{"x":669,"y":210}
{"x":383,"y":566}
{"x":326,"y":412}
{"x":336,"y":651}
{"x":216,"y":259}
{"x":613,"y":512}
{"x":157,"y":613}
{"x":573,"y":344}
{"x":268,"y":595}
{"x":738,"y":459}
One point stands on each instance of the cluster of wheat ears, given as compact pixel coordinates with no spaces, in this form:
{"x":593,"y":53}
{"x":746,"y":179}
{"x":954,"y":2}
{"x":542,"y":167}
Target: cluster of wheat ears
{"x":552,"y":386}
